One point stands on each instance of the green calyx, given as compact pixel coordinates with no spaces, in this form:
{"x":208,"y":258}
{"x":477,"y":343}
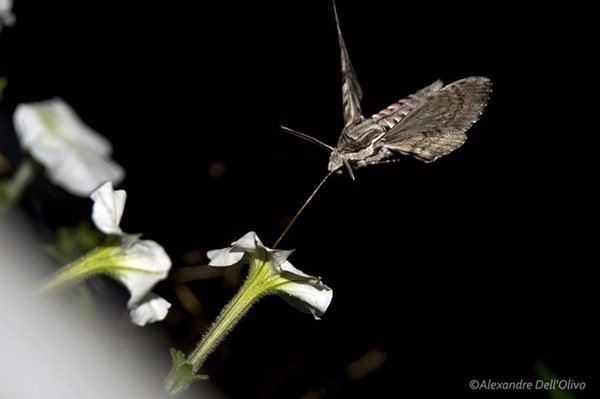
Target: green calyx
{"x":182,"y":374}
{"x":103,"y":260}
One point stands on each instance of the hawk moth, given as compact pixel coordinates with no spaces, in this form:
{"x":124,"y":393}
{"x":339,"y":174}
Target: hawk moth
{"x":427,"y":125}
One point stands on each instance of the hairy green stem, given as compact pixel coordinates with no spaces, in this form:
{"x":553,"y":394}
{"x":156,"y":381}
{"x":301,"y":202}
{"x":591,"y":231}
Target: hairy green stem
{"x":253,"y":288}
{"x":261,"y":280}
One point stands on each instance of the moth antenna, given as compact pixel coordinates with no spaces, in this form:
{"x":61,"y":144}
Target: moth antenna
{"x":301,"y":209}
{"x":307,"y":138}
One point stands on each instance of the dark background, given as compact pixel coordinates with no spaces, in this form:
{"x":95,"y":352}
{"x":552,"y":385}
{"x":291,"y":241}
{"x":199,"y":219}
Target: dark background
{"x":475,"y":266}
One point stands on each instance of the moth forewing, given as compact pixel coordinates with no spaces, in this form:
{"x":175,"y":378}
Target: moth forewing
{"x":438,"y":126}
{"x":351,"y":90}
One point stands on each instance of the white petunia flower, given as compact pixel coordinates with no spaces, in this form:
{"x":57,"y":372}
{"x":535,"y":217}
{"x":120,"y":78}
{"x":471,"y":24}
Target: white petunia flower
{"x":304,"y":292}
{"x":75,"y":157}
{"x":270,"y":273}
{"x":143,"y":263}
{"x":7,"y":18}
{"x":137,"y":264}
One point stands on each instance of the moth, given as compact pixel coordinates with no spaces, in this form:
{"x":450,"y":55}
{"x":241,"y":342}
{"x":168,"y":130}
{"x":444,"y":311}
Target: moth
{"x":426,"y":125}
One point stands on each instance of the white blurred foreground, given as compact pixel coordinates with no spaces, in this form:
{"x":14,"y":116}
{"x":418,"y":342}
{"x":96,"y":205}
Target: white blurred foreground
{"x":47,"y":351}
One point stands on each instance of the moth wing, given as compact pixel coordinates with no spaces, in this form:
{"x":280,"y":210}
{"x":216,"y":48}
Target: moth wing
{"x":361,"y":135}
{"x":351,"y":90}
{"x":396,"y":112}
{"x":438,"y":126}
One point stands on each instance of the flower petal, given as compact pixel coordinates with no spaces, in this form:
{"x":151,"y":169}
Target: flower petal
{"x":152,"y":308}
{"x":81,"y":172}
{"x":229,"y":256}
{"x":142,"y":264}
{"x":224,"y":257}
{"x":75,"y":156}
{"x":308,"y":297}
{"x":108,"y":208}
{"x":279,"y":257}
{"x":248,"y":242}
{"x":304,"y":292}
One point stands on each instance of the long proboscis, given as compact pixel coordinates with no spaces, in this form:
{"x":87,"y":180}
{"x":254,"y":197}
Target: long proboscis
{"x":316,"y":190}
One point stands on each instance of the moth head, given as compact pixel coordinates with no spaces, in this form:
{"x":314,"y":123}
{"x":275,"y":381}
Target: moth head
{"x":336,"y":161}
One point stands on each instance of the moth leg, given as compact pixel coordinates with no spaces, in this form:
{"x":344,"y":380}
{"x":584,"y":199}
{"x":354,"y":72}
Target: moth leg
{"x":349,"y":168}
{"x":377,"y":158}
{"x":386,"y":161}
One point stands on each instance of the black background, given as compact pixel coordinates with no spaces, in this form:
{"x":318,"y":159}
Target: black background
{"x":475,"y":266}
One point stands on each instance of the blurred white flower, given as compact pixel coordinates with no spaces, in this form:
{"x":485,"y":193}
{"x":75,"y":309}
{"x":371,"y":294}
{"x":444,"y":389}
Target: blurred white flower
{"x":75,"y":156}
{"x":7,"y":18}
{"x":137,"y":264}
{"x":304,"y":292}
{"x":151,"y":309}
